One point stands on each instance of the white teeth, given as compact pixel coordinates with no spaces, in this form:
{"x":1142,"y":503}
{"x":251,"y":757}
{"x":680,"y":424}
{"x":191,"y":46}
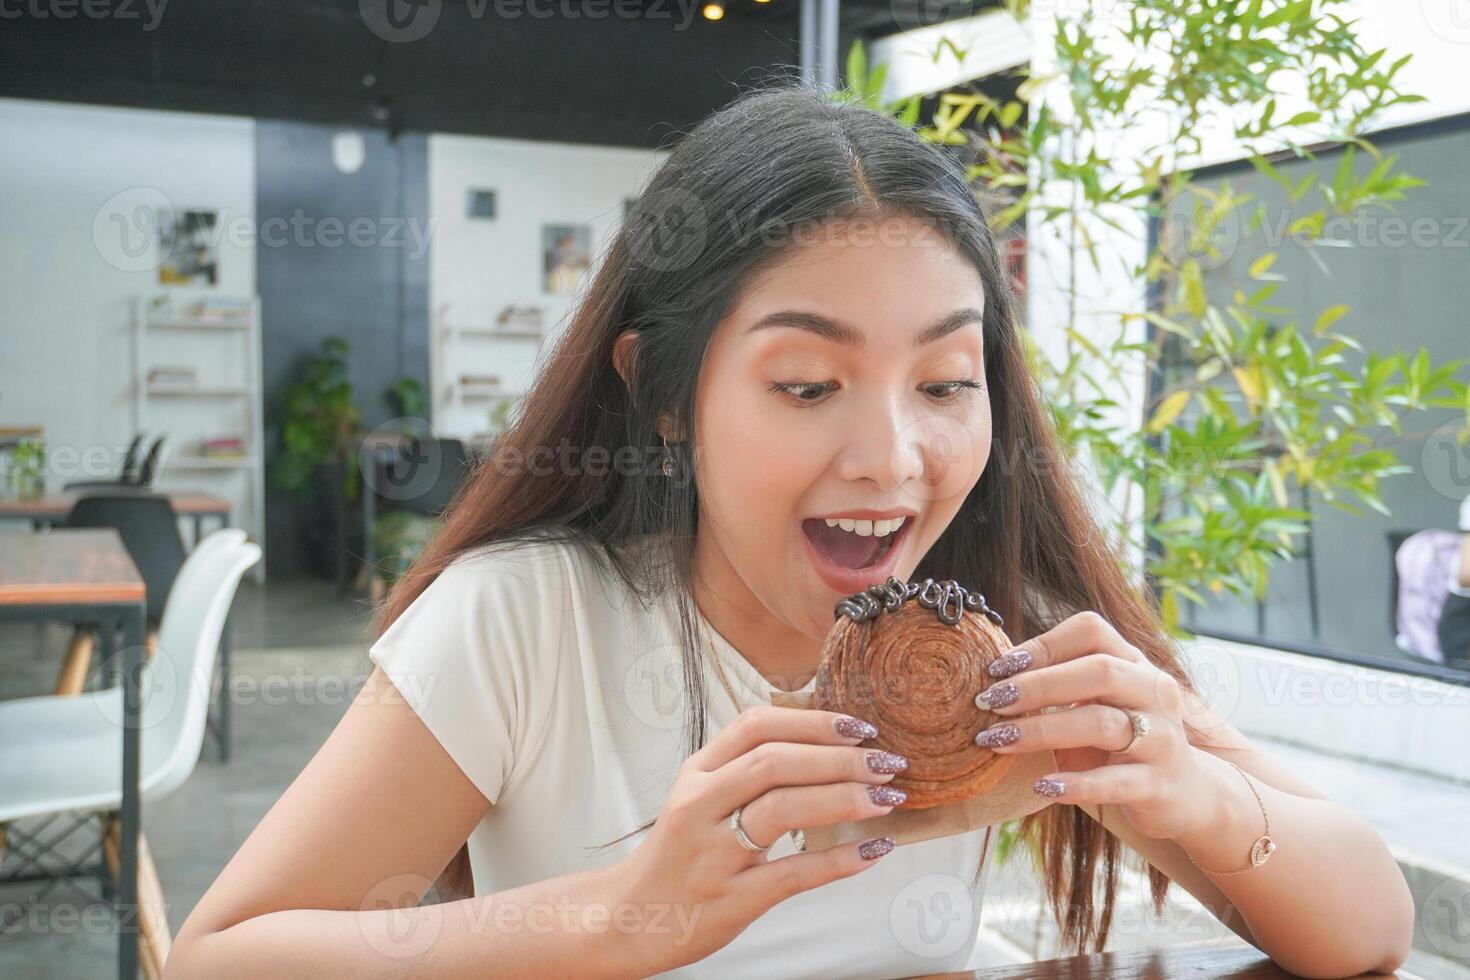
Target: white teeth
{"x":866,"y":529}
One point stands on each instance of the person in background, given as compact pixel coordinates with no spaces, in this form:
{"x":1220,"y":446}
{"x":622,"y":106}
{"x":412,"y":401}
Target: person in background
{"x":1454,"y":621}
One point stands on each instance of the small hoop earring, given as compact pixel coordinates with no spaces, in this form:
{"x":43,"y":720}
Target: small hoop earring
{"x":667,"y":467}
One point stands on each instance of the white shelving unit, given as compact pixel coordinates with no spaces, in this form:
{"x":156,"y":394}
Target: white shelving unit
{"x":475,"y":349}
{"x":224,"y":351}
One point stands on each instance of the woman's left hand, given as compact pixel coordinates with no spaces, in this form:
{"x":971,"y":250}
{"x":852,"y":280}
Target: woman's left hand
{"x":1086,"y":667}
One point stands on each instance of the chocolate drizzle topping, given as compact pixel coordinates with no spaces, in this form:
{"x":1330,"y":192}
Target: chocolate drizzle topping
{"x":948,"y":599}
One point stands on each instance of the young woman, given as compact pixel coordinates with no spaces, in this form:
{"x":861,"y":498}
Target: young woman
{"x":795,"y":374}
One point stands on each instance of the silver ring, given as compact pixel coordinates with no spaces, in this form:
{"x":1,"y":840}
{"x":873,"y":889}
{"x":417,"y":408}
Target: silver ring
{"x":741,"y":836}
{"x":1141,"y":727}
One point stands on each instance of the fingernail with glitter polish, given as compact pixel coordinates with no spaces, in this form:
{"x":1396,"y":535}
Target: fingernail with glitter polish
{"x":885,"y":762}
{"x":1012,"y":663}
{"x":998,"y":696}
{"x":886,"y":795}
{"x":1049,"y":787}
{"x":998,"y":735}
{"x":849,"y":727}
{"x":870,"y":850}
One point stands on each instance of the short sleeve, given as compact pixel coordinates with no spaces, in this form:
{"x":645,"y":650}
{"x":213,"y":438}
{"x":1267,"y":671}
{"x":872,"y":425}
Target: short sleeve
{"x":476,"y":656}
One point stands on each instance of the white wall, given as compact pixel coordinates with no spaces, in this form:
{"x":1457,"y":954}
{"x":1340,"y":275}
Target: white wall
{"x":476,"y":267}
{"x":67,"y":274}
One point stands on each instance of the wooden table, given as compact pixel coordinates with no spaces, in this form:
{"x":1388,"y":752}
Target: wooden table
{"x":1235,"y":960}
{"x":52,"y":508}
{"x":86,"y":576}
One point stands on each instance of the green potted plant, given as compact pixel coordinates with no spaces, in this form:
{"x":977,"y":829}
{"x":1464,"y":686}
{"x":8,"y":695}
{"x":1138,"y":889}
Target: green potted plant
{"x":408,"y":398}
{"x":317,"y":460}
{"x":320,"y":424}
{"x":25,"y":477}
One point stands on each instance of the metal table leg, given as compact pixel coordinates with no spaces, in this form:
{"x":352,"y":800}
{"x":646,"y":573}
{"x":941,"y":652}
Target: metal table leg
{"x":131,"y":617}
{"x":222,"y":735}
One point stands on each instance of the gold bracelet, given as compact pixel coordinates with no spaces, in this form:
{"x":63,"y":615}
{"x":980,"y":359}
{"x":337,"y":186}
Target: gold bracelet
{"x":1260,"y":850}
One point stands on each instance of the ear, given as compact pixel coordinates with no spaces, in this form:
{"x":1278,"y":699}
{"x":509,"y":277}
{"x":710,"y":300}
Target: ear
{"x":625,"y":359}
{"x":669,"y":429}
{"x":625,"y":351}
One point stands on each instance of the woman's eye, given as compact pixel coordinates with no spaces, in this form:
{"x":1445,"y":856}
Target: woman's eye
{"x":812,"y":391}
{"x":949,"y":389}
{"x":805,"y":391}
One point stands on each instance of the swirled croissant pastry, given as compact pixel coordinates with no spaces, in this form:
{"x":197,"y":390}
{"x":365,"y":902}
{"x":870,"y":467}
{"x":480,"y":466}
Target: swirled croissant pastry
{"x":910,"y":658}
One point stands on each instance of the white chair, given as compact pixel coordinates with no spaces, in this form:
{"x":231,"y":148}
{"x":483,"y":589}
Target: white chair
{"x":64,"y":753}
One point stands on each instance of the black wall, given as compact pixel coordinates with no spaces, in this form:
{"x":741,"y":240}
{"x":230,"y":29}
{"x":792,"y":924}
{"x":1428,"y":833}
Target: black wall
{"x":371,"y":291}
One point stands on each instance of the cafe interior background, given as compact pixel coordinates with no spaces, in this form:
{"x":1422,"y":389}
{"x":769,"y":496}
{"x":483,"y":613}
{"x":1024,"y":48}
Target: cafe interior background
{"x":290,"y":267}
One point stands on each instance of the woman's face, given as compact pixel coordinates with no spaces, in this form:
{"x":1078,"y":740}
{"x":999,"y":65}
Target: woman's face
{"x":846,"y":385}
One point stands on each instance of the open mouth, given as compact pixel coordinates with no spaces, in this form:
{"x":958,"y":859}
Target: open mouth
{"x":854,"y":544}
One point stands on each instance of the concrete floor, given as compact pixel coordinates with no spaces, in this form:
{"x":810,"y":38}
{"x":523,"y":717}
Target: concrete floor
{"x":299,"y":657}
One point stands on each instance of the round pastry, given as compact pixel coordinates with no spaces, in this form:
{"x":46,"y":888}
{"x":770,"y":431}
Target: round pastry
{"x":910,"y":658}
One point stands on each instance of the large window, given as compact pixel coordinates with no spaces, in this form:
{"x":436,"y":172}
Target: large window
{"x":1405,"y":273}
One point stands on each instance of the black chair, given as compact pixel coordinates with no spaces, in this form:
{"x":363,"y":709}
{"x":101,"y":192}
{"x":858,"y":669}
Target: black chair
{"x":150,"y":531}
{"x":130,"y":461}
{"x":133,"y":474}
{"x":149,"y":470}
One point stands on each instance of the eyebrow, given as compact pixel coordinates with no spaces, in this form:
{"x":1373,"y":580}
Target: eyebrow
{"x":842,"y":333}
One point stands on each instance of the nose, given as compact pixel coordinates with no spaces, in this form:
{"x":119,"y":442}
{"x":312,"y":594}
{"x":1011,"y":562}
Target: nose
{"x":883,"y":445}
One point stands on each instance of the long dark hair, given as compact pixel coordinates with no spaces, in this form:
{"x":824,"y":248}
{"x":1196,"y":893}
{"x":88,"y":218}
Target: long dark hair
{"x":726,"y":200}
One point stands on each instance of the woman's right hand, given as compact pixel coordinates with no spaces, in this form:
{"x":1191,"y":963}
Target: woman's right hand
{"x":789,"y":768}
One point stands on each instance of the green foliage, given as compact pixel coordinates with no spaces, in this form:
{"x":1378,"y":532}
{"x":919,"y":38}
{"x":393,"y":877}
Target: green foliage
{"x":399,"y":537}
{"x":25,"y":472}
{"x":319,"y":423}
{"x":1255,"y":401}
{"x":408,"y":398}
{"x":866,"y":87}
{"x":500,"y":414}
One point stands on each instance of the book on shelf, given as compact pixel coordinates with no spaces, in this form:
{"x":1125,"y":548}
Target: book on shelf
{"x":480,"y":384}
{"x":527,"y":318}
{"x":173,"y":376}
{"x":210,"y":309}
{"x":223,"y":447}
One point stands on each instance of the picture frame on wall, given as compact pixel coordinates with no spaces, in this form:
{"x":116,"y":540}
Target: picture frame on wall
{"x":566,"y":254}
{"x":188,"y":241}
{"x":480,"y":204}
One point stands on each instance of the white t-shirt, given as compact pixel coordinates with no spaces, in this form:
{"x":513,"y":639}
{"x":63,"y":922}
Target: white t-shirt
{"x":560,"y":697}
